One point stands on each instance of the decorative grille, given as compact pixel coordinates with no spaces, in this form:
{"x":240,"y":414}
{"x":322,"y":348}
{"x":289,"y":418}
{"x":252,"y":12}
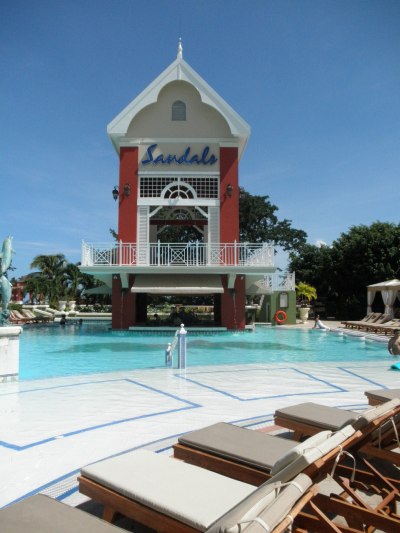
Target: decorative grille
{"x":204,"y":186}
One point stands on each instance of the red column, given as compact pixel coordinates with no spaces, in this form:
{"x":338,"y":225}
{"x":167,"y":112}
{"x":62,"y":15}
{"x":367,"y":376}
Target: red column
{"x":233,"y":302}
{"x":123,"y":304}
{"x":127,"y":212}
{"x":229,"y":205}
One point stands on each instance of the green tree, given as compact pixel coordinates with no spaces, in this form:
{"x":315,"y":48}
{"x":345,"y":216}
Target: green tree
{"x":258,"y":222}
{"x":36,"y":286}
{"x":362,"y":256}
{"x":53,"y":275}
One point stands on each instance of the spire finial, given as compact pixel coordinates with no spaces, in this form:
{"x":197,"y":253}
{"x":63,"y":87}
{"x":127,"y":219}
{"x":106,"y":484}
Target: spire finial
{"x":180,"y":49}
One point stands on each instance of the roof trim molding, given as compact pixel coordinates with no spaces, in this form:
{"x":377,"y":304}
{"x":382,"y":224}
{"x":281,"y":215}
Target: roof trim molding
{"x":178,"y":70}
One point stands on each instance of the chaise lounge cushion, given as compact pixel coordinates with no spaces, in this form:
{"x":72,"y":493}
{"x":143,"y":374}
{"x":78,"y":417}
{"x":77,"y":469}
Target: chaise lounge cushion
{"x":42,"y":514}
{"x":321,"y":416}
{"x":245,"y":446}
{"x":375,"y":412}
{"x":269,"y":502}
{"x":192,"y":495}
{"x":383,"y":395}
{"x":308,"y":452}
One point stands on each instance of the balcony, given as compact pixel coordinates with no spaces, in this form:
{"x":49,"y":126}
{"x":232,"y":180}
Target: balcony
{"x":246,"y":256}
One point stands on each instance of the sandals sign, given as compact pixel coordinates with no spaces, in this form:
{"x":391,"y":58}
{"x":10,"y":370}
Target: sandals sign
{"x":205,"y":158}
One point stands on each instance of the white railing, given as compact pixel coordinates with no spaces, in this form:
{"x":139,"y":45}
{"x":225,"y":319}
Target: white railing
{"x":177,"y":254}
{"x":278,"y":282}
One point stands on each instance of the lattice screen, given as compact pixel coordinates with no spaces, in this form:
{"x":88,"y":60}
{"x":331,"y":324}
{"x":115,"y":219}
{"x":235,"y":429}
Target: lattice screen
{"x":204,"y":186}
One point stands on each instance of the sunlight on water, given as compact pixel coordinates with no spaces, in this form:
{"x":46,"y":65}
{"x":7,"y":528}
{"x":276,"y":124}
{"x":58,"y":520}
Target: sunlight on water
{"x":49,"y":351}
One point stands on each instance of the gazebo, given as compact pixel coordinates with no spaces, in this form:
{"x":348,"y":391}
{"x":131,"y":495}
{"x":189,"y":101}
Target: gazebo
{"x":390,"y":291}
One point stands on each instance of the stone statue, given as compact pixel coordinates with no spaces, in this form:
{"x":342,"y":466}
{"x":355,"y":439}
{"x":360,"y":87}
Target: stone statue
{"x":394,"y":343}
{"x":5,"y":285}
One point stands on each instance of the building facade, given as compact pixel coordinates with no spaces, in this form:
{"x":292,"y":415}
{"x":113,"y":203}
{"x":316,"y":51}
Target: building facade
{"x":179,"y":145}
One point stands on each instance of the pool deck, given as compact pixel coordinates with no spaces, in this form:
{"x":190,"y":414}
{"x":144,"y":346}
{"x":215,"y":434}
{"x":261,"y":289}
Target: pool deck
{"x":51,"y":428}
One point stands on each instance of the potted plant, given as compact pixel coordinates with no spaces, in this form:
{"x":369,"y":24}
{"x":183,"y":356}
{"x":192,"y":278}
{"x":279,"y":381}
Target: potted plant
{"x":304,"y":294}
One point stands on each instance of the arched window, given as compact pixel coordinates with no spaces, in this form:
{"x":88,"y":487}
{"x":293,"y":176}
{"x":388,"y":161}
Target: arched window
{"x":179,"y":110}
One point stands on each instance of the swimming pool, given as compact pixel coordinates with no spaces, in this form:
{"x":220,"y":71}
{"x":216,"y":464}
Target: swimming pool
{"x":50,"y":351}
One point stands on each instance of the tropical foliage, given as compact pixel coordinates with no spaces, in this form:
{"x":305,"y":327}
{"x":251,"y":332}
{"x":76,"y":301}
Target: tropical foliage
{"x":305,"y":293}
{"x":258,"y":222}
{"x":362,"y":256}
{"x":55,"y":279}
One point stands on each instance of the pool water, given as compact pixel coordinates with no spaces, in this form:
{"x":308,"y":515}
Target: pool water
{"x":53,"y":350}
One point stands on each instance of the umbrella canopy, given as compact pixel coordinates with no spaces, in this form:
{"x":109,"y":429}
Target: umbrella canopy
{"x":385,"y":285}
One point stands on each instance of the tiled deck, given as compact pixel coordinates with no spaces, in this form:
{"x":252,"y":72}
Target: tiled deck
{"x":50,"y":428}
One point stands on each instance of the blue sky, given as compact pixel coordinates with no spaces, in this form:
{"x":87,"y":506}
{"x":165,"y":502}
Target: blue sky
{"x":318,"y":81}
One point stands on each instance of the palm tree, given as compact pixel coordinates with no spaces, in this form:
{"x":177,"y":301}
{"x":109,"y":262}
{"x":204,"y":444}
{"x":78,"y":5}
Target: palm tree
{"x":35,"y":285}
{"x":52,"y":271}
{"x":305,"y":293}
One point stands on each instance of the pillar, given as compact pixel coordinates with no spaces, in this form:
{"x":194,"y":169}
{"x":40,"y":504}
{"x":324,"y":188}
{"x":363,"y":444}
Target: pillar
{"x":123,"y":304}
{"x":233,"y":303}
{"x":9,"y":353}
{"x":127,"y":205}
{"x":229,"y":205}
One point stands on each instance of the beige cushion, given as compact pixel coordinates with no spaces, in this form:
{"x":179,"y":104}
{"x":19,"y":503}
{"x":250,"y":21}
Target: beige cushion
{"x":383,"y":395}
{"x":252,"y":448}
{"x":270,"y":502}
{"x":190,"y":494}
{"x":41,"y":514}
{"x":319,"y":416}
{"x":298,"y":450}
{"x":375,"y":412}
{"x":310,"y":454}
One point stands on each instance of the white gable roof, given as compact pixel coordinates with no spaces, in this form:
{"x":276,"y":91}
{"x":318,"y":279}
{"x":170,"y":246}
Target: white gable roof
{"x":178,"y":70}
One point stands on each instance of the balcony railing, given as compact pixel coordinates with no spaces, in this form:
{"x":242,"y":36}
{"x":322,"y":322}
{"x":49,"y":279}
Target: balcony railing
{"x":278,"y":282}
{"x":178,"y":254}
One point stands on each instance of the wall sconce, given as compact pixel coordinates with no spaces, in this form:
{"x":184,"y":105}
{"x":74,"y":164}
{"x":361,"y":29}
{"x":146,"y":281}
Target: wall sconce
{"x":229,"y":190}
{"x":115,"y":191}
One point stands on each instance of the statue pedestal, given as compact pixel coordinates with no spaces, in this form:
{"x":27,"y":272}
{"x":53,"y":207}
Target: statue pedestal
{"x":9,"y":353}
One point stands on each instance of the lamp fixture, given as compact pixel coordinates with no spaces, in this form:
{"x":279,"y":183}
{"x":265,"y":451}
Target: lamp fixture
{"x":115,"y":191}
{"x":229,"y":190}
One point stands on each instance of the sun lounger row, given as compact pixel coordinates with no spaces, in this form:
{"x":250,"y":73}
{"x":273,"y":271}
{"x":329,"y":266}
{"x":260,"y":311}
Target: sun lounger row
{"x":218,"y":495}
{"x":375,"y":323}
{"x":25,"y":316}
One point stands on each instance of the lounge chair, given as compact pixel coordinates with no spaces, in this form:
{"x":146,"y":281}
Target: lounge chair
{"x":309,"y":418}
{"x":173,"y":497}
{"x":17,"y":318}
{"x":386,"y":327}
{"x":250,"y":455}
{"x":378,"y":396}
{"x":245,"y":454}
{"x":35,"y":318}
{"x":42,"y":514}
{"x":368,"y":319}
{"x":29,"y":315}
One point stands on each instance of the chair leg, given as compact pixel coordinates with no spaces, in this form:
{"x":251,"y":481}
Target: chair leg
{"x":109,"y":514}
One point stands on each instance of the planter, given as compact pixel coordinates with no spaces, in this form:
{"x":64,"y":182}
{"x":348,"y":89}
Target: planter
{"x":62,"y":305}
{"x":304,"y":311}
{"x":72,"y":305}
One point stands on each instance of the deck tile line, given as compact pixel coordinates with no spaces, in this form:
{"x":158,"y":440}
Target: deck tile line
{"x":380,"y":385}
